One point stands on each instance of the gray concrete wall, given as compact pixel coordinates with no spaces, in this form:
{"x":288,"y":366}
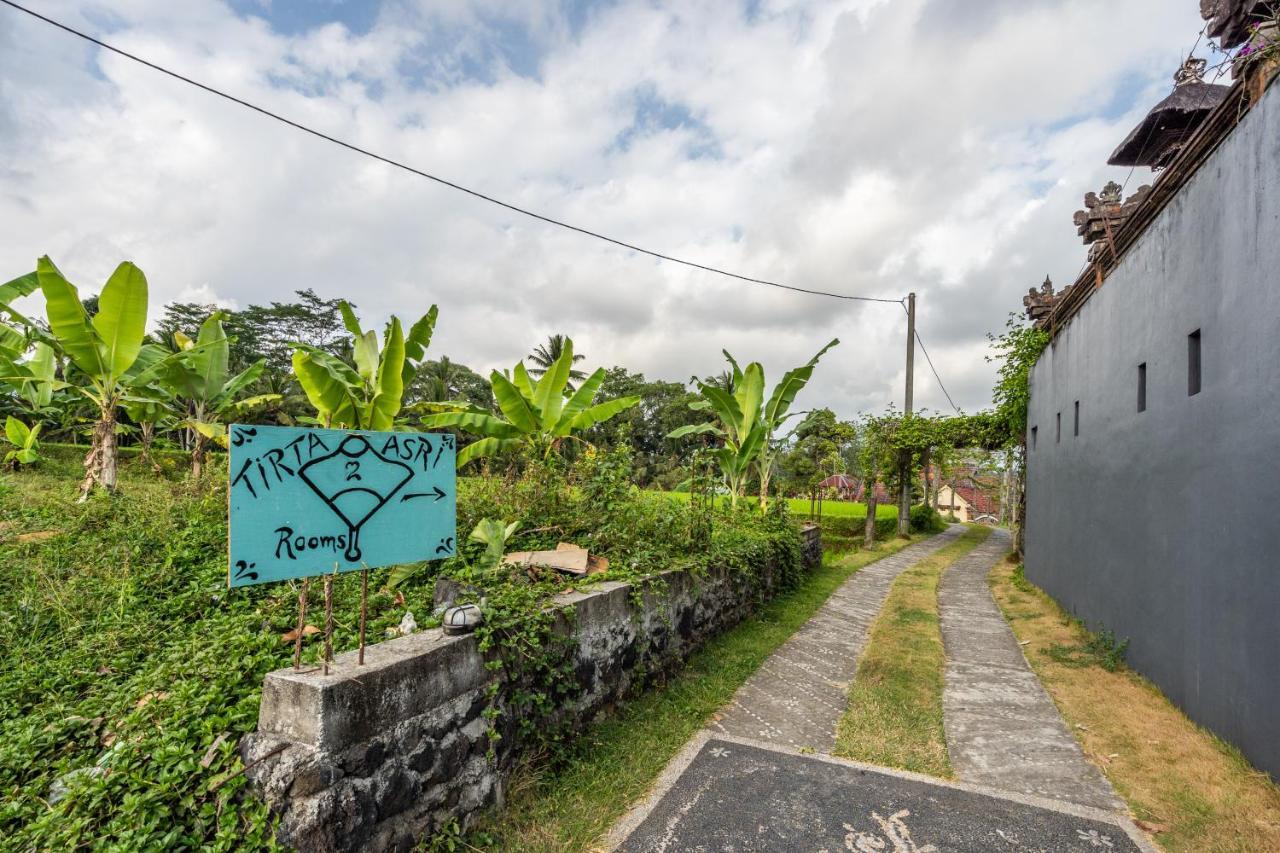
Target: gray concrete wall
{"x":1164,"y":525}
{"x":376,"y":757}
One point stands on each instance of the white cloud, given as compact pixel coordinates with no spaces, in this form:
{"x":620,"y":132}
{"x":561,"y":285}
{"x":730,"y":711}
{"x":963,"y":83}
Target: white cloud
{"x":859,"y":147}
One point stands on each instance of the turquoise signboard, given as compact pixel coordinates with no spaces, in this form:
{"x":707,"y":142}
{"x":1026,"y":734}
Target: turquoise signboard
{"x":304,"y":501}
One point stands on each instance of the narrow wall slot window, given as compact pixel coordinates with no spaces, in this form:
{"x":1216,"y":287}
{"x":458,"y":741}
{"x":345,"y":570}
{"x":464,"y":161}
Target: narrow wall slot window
{"x":1075,"y":428}
{"x":1057,"y":436}
{"x":1034,"y":430}
{"x":1193,"y":363}
{"x":1142,"y":387}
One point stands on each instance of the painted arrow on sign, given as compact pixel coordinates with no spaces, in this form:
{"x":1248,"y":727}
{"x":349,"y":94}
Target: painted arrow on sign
{"x":436,"y":492}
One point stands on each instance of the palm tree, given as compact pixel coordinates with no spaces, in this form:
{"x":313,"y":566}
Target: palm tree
{"x":545,"y":355}
{"x":440,"y":380}
{"x":722,"y":380}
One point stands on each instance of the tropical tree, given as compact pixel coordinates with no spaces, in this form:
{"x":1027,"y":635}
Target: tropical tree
{"x":746,"y":423}
{"x":446,"y":380}
{"x":102,"y":350}
{"x":545,"y":355}
{"x":538,"y":417}
{"x":200,"y":378}
{"x":878,"y":456}
{"x":368,"y":395}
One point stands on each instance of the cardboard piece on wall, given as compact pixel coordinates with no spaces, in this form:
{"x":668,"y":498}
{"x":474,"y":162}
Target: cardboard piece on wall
{"x":567,"y":557}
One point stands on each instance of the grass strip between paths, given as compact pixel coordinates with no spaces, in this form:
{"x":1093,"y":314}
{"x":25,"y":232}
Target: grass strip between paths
{"x":1186,"y":787}
{"x":894,"y":717}
{"x":616,"y":759}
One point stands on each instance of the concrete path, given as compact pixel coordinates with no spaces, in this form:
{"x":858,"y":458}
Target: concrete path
{"x":1003,"y":730}
{"x":729,"y":794}
{"x":750,"y":782}
{"x":799,"y":693}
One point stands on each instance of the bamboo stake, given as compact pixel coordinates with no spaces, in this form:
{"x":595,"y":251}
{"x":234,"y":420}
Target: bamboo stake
{"x":302,"y":623}
{"x":328,"y":622}
{"x":364,"y":610}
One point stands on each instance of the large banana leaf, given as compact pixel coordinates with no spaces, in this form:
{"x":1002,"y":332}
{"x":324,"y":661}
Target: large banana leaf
{"x":514,"y":405}
{"x":211,"y":357}
{"x":23,"y":285}
{"x":748,"y":393}
{"x":231,"y":389}
{"x":548,"y":394}
{"x":12,"y":342}
{"x":726,"y":408}
{"x":520,"y":378}
{"x":384,"y":406}
{"x":35,"y":379}
{"x":581,"y":398}
{"x":328,"y":392}
{"x":69,"y":322}
{"x":696,"y":429}
{"x":474,"y":422}
{"x":792,"y":382}
{"x":121,"y":321}
{"x":364,"y":346}
{"x":600,"y":412}
{"x":485,"y":447}
{"x":416,"y":343}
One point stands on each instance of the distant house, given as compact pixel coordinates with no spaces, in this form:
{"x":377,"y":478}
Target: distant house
{"x":844,"y":486}
{"x":882,"y":496}
{"x":968,"y":503}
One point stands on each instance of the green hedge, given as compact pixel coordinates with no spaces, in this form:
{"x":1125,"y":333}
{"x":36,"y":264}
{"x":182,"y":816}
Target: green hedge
{"x":924,"y":519}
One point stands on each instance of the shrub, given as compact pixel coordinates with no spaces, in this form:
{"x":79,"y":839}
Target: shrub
{"x":925,"y":519}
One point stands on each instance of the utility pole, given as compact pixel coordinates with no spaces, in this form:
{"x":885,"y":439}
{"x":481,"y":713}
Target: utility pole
{"x":904,"y":474}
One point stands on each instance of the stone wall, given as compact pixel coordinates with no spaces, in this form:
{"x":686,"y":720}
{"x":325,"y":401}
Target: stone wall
{"x":380,"y":755}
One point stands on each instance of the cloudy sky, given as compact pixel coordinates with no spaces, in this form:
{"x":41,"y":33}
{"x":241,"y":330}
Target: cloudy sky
{"x":867,"y":147}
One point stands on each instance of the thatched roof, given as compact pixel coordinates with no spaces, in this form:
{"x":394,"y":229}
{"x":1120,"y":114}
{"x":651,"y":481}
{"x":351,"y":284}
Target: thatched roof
{"x":1158,"y":137}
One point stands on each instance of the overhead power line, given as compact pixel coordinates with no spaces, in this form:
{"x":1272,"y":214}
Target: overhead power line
{"x":443,"y":181}
{"x":920,"y":341}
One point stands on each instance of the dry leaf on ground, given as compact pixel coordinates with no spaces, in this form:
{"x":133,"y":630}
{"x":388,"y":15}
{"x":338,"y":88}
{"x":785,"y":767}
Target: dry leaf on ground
{"x":290,"y":636}
{"x":36,"y":536}
{"x":148,"y":698}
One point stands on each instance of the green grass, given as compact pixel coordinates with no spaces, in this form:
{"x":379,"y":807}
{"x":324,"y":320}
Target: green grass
{"x":617,"y":758}
{"x":800,"y":507}
{"x":894,"y":716}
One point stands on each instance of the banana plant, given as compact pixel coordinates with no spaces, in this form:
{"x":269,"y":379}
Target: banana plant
{"x":25,"y":441}
{"x":150,"y":408}
{"x":776,"y":413}
{"x":103,"y":349}
{"x":199,"y":377}
{"x":746,"y":423}
{"x":369,"y":395}
{"x":737,"y":424}
{"x":538,"y":417}
{"x":34,"y":380}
